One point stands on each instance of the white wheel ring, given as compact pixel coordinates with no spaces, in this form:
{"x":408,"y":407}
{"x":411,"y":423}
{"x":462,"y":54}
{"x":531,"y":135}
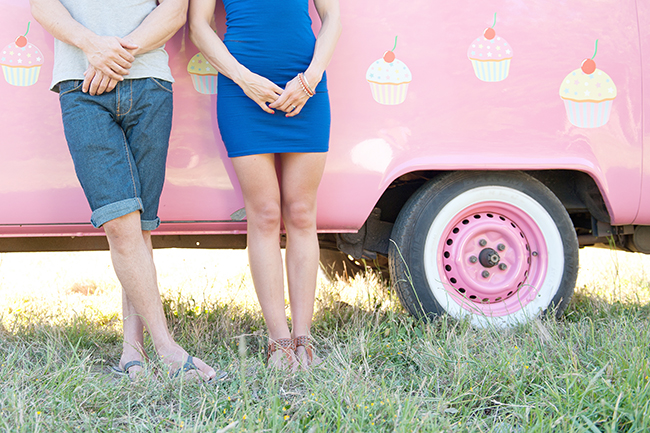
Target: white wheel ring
{"x":535,"y":211}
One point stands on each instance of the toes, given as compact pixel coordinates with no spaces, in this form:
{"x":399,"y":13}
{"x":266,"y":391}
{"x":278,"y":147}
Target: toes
{"x":205,"y":371}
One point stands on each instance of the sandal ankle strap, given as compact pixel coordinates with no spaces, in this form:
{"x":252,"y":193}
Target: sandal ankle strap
{"x":306,"y":342}
{"x":284,"y":344}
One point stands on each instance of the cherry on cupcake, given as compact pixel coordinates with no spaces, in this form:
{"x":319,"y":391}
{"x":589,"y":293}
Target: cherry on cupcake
{"x":21,"y":40}
{"x":490,"y":33}
{"x":389,"y":56}
{"x":588,"y":66}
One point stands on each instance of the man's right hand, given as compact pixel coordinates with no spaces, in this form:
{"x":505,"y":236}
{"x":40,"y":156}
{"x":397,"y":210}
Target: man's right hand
{"x":110,"y":55}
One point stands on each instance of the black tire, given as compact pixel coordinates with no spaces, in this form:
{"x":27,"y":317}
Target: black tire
{"x":497,"y":247}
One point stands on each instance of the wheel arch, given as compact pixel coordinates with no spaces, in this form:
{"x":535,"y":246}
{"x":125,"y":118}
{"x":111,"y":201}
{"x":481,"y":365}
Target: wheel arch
{"x":578,"y":192}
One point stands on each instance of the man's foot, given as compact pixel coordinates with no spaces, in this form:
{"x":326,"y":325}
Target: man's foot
{"x":179,"y":361}
{"x":191,"y":366}
{"x":132,"y":369}
{"x":131,"y":362}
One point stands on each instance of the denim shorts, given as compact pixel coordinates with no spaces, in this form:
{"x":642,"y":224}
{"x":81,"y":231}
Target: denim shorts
{"x":119,"y":142}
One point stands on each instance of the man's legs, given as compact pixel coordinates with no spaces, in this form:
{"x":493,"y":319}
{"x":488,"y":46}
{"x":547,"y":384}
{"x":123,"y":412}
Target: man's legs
{"x":132,"y":327}
{"x":118,"y":142}
{"x":135,"y":269}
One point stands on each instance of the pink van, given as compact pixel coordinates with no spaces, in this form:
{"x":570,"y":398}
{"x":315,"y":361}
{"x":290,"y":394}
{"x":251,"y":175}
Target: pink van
{"x":475,"y":144}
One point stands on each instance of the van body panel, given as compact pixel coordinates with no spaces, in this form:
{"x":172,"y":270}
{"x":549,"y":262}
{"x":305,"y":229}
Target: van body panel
{"x":446,"y":118}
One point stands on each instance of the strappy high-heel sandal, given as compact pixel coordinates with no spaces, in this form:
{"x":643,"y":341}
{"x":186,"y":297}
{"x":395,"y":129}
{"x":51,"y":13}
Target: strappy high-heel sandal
{"x":285,"y":345}
{"x":306,"y":342}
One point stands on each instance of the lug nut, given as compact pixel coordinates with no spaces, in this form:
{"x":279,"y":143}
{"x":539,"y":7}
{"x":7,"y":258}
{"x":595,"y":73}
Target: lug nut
{"x":485,"y":274}
{"x":534,"y":253}
{"x":473,"y":259}
{"x":501,"y":247}
{"x":503,"y":266}
{"x":482,"y":242}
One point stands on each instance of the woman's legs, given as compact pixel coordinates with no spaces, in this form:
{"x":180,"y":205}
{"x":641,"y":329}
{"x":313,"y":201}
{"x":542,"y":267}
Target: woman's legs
{"x":259,"y":184}
{"x":266,"y":208}
{"x":301,"y":175}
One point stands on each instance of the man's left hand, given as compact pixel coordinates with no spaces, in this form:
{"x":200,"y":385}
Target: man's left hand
{"x":96,"y":83}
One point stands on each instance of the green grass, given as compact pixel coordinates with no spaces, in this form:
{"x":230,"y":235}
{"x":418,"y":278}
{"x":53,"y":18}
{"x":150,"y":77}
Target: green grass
{"x":383,"y":371}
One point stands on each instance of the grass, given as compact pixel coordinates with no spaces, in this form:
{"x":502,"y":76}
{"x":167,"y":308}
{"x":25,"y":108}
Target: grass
{"x":384,"y":371}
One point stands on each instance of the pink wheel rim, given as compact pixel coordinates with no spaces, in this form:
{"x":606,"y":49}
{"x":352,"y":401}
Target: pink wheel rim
{"x":491,"y":258}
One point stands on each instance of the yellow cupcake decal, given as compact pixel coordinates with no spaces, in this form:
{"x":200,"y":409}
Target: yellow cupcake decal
{"x":204,"y":75}
{"x":588,"y":94}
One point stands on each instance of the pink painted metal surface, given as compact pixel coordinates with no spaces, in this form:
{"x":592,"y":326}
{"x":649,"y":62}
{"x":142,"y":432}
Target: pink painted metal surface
{"x":425,"y":107}
{"x":514,"y":276}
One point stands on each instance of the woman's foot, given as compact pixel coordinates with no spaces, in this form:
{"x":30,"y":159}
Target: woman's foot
{"x":304,"y":350}
{"x":280,"y":355}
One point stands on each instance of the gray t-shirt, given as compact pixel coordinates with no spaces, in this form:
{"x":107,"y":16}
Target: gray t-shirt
{"x":108,"y":18}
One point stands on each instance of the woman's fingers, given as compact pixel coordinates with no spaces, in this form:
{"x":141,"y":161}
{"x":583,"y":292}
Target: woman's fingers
{"x":292,"y":99}
{"x":263,"y":92}
{"x":265,"y":107}
{"x":295,"y":111}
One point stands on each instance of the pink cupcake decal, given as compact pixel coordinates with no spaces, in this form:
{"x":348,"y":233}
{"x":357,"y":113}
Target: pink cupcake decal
{"x":490,"y":55}
{"x":389,"y":79}
{"x":588,"y":94}
{"x":21,"y":61}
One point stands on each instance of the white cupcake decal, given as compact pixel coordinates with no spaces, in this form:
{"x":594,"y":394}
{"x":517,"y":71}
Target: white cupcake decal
{"x":389,"y":79}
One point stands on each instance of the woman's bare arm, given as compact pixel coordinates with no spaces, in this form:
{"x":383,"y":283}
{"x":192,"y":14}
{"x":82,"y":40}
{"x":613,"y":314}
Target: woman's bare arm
{"x":256,"y":87}
{"x":294,"y":97}
{"x":330,"y":31}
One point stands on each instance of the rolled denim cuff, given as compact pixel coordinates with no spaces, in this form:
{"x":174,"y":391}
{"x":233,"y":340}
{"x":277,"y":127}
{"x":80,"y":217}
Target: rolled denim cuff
{"x":148,"y":225}
{"x":115,"y":210}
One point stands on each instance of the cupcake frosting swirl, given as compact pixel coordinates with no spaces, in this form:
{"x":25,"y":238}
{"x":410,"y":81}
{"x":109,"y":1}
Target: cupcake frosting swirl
{"x":14,"y":56}
{"x":382,"y":72}
{"x":200,"y":66}
{"x":594,"y":87}
{"x":489,"y":49}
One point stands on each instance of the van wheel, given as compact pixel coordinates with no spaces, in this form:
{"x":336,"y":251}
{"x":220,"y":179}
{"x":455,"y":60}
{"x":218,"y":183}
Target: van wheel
{"x":496,"y":247}
{"x":336,"y":264}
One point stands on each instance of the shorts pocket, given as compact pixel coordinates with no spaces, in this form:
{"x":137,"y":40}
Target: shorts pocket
{"x":166,"y":85}
{"x":69,"y":86}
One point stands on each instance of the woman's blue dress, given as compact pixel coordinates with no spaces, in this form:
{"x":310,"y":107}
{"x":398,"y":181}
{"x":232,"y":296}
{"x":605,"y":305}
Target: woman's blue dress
{"x":272,"y":38}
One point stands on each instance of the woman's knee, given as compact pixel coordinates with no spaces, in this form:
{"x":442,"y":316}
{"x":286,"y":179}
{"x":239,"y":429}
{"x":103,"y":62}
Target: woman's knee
{"x":265,"y":217}
{"x":300,"y":215}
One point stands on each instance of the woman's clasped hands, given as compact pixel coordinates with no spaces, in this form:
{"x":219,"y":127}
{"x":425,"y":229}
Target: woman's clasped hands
{"x":292,"y":99}
{"x":270,"y":96}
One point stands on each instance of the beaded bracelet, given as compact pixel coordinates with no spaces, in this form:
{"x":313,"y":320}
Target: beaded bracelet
{"x":305,"y":85}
